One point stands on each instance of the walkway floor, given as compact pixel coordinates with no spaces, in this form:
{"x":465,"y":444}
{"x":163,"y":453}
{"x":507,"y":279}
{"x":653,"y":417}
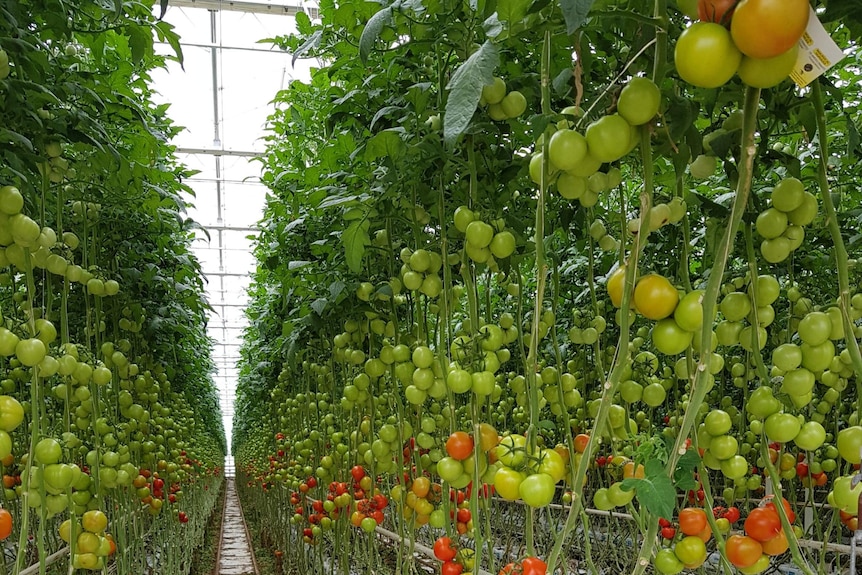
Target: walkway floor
{"x":235,"y":557}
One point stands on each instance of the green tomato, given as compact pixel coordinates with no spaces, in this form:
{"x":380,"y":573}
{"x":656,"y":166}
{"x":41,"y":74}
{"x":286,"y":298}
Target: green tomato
{"x":48,"y":451}
{"x":666,"y":562}
{"x":850,"y":443}
{"x":507,"y":483}
{"x":537,"y":490}
{"x":514,"y":104}
{"x":30,"y":351}
{"x":368,"y":525}
{"x":706,"y":56}
{"x":552,"y":463}
{"x":717,"y":422}
{"x":479,"y":234}
{"x":601,"y":500}
{"x":767,"y":72}
{"x":566,"y":149}
{"x":639,"y":101}
{"x":11,"y":413}
{"x":781,"y":427}
{"x":494,"y":92}
{"x":450,"y":469}
{"x":669,"y":338}
{"x":609,"y":138}
{"x":811,"y":436}
{"x":512,"y":451}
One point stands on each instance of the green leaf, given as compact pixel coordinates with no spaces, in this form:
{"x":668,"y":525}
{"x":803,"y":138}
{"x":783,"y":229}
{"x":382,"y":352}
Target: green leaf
{"x":492,"y":26}
{"x":655,"y":493}
{"x":355,"y":239}
{"x":7,"y":135}
{"x":683,"y":475}
{"x":312,"y":42}
{"x":562,"y":82}
{"x":382,"y":112}
{"x":512,"y":11}
{"x":372,"y":30}
{"x":319,"y":305}
{"x":385,"y":144}
{"x":303,"y":23}
{"x":843,"y":10}
{"x":139,"y":41}
{"x":465,"y":89}
{"x":575,"y":13}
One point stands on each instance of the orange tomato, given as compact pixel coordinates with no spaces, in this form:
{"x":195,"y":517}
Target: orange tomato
{"x":775,"y":546}
{"x":5,"y":524}
{"x":692,"y":521}
{"x":459,"y":445}
{"x":767,"y":28}
{"x":581,"y":440}
{"x":742,"y":551}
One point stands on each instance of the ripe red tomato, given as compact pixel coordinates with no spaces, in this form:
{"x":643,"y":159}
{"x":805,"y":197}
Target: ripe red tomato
{"x":742,"y":551}
{"x":668,"y":532}
{"x":762,"y":524}
{"x":443,"y":549}
{"x":534,"y":566}
{"x":767,"y":28}
{"x":719,"y":11}
{"x":732,"y":514}
{"x":451,"y":568}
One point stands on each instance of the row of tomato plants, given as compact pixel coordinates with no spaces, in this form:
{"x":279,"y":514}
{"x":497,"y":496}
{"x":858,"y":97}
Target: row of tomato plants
{"x":461,"y":342}
{"x":111,"y":445}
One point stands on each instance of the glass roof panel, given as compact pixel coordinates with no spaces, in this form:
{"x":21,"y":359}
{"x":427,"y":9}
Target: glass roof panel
{"x":222,"y":96}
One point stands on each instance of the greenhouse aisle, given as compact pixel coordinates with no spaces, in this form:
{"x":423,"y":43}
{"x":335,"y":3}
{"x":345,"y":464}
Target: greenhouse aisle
{"x":235,"y":556}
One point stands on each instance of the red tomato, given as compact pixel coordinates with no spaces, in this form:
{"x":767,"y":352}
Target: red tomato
{"x":732,"y":514}
{"x":762,"y":524}
{"x":451,"y":568}
{"x":719,"y":11}
{"x":534,"y":566}
{"x":443,"y":549}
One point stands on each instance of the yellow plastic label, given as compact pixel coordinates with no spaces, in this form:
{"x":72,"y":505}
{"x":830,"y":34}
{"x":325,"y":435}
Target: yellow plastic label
{"x":817,"y":52}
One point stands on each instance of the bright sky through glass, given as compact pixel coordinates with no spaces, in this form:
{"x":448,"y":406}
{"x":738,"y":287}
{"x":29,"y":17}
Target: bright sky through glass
{"x":222,"y":56}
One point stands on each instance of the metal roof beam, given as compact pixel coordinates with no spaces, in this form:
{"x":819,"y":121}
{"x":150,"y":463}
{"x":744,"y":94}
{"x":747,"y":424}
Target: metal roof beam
{"x":252,"y":7}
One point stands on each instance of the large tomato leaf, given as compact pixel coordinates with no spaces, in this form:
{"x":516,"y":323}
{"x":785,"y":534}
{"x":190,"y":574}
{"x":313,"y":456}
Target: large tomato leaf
{"x":465,"y":89}
{"x":355,"y":239}
{"x":372,"y":30}
{"x":655,"y":491}
{"x":575,"y":13}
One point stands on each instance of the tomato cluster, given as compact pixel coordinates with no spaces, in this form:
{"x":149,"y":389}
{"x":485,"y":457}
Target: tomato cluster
{"x":760,"y":46}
